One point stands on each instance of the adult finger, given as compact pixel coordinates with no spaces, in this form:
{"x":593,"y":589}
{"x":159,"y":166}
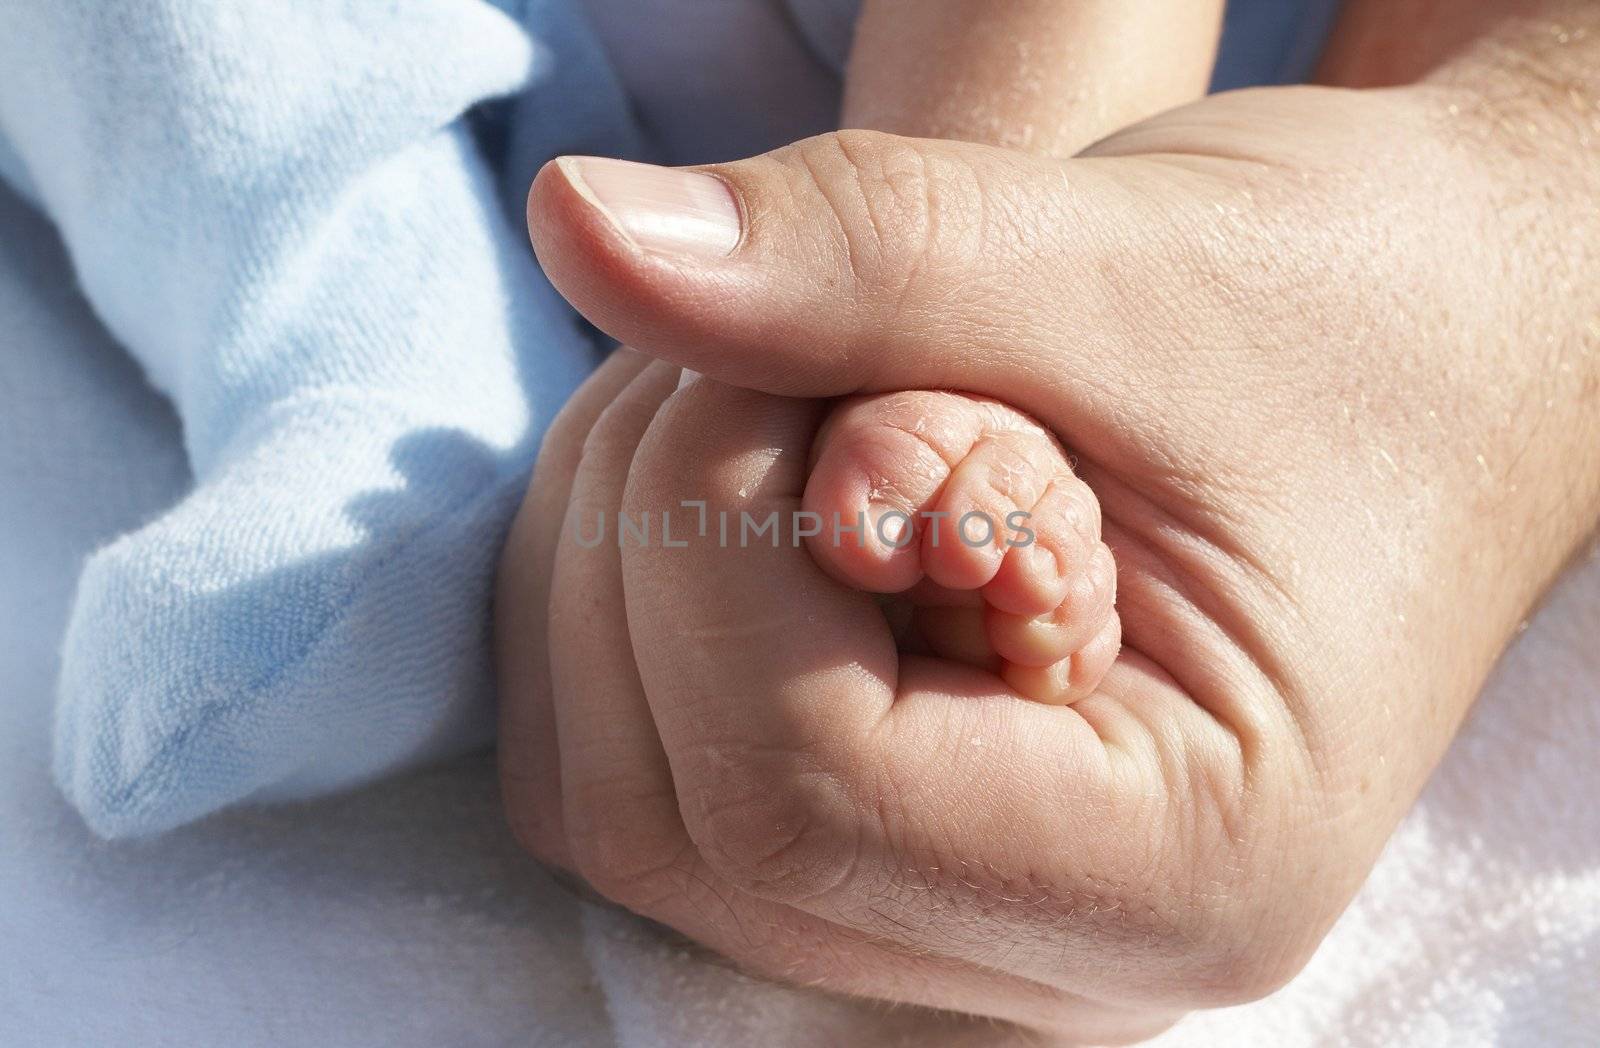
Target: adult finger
{"x":616,"y":791}
{"x":530,"y":772}
{"x":860,"y":262}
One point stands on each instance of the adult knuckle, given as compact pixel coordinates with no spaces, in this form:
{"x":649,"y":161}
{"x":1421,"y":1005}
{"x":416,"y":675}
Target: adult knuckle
{"x":627,"y":861}
{"x":616,"y":432}
{"x":776,"y":826}
{"x":1241,"y":969}
{"x":562,"y":447}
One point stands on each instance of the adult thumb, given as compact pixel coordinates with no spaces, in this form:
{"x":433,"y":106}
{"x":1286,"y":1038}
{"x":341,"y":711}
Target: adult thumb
{"x":851,"y":262}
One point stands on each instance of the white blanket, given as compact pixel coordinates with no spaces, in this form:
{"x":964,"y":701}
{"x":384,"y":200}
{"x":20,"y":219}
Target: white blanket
{"x":404,"y":916}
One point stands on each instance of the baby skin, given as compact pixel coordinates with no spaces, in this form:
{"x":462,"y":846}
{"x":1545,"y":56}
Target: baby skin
{"x":969,"y":512}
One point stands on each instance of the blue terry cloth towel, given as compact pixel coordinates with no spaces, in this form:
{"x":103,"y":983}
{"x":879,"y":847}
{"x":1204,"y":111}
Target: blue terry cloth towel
{"x":285,"y":212}
{"x":303,"y":219}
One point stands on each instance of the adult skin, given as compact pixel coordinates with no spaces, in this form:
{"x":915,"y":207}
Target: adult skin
{"x":1330,"y":358}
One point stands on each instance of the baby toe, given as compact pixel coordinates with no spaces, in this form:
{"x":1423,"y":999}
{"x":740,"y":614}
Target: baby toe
{"x":1049,"y":552}
{"x":985,"y":502}
{"x":1073,"y":678}
{"x":1041,"y":640}
{"x":878,"y":464}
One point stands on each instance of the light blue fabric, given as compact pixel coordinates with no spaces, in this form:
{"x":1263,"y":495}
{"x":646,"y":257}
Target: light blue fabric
{"x":282,"y":212}
{"x":304,"y":221}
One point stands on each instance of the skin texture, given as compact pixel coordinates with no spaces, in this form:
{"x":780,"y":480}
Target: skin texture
{"x":1037,"y":75}
{"x":1329,"y":358}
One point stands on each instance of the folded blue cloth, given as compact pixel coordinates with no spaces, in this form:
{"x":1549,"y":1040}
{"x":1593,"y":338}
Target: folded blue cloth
{"x":304,"y":221}
{"x":285,"y":213}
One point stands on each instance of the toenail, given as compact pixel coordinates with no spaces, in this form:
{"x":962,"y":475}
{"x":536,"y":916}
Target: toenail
{"x":892,"y":524}
{"x":1041,"y":562}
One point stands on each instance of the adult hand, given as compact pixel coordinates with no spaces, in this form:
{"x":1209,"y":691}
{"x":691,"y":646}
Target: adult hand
{"x":1327,"y":357}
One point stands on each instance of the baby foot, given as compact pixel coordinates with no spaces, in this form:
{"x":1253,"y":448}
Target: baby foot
{"x":971,"y":511}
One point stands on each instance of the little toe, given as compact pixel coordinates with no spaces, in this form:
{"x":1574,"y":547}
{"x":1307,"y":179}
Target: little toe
{"x":1073,"y":678}
{"x":1041,"y":640}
